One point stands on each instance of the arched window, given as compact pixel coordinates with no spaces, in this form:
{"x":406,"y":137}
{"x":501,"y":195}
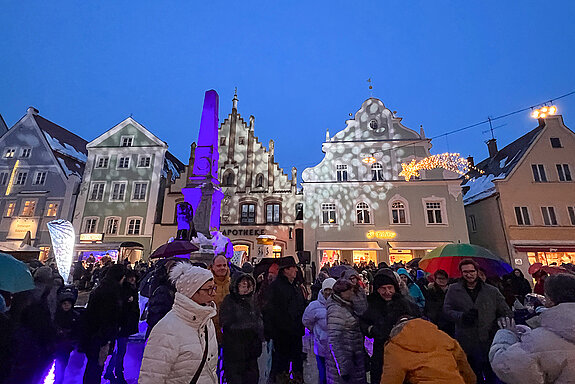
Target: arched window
{"x":229,"y":178}
{"x":362,"y":210}
{"x":259,"y":180}
{"x":376,"y":172}
{"x":398,"y":214}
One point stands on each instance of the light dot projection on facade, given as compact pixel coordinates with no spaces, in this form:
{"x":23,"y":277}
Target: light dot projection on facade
{"x":451,"y":161}
{"x":543,"y":112}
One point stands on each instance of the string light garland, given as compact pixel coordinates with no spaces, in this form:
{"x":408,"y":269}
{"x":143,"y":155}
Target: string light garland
{"x":451,"y":161}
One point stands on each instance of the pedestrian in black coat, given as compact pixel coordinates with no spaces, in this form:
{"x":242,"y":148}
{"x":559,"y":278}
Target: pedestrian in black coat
{"x":101,"y":322}
{"x":67,"y":323}
{"x":434,"y":298}
{"x":282,"y":321}
{"x":162,"y":297}
{"x":242,"y":327}
{"x":385,"y":306}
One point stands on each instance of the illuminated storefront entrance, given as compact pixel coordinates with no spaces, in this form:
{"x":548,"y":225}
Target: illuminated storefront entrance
{"x":551,"y":258}
{"x":352,"y":252}
{"x":405,"y":251}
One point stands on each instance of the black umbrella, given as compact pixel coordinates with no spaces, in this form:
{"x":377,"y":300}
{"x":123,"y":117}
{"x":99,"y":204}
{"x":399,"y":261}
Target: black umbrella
{"x":175,"y":248}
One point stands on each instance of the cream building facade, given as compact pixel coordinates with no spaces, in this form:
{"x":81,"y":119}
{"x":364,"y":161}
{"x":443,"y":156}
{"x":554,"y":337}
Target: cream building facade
{"x":361,"y":211}
{"x":523,"y":206}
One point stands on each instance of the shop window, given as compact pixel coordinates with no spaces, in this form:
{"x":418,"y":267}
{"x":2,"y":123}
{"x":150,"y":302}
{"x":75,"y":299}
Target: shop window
{"x":435,"y":212}
{"x":299,"y":211}
{"x":9,"y":153}
{"x":362,"y":212}
{"x":551,"y":258}
{"x":25,"y":153}
{"x":400,"y":255}
{"x":44,"y":253}
{"x":144,"y":161}
{"x":123,"y":162}
{"x":248,"y":213}
{"x":398,"y":213}
{"x":243,"y":251}
{"x":52,"y":209}
{"x":10,"y":208}
{"x":21,"y":178}
{"x":259,"y":180}
{"x":102,"y":162}
{"x":563,"y":172}
{"x":29,"y":208}
{"x":40,"y":178}
{"x":134,"y":226}
{"x":118,"y":192}
{"x":126,"y":141}
{"x":277,"y":251}
{"x":328,"y":213}
{"x":112,"y":225}
{"x":341,"y":172}
{"x":90,"y":225}
{"x":549,"y":217}
{"x":4,"y":178}
{"x":571,"y":211}
{"x":376,"y":172}
{"x":229,"y":178}
{"x":139,"y":190}
{"x":273,"y":213}
{"x":330,"y":256}
{"x":97,"y":191}
{"x":539,"y":175}
{"x":555,"y":142}
{"x":522,"y":216}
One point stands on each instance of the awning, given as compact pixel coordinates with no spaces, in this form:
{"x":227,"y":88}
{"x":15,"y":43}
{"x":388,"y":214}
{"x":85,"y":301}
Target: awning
{"x":416,"y":244}
{"x":545,"y":248}
{"x":349,"y":245}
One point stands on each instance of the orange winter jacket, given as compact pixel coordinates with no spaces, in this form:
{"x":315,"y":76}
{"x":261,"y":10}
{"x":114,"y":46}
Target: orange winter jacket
{"x":419,"y":353}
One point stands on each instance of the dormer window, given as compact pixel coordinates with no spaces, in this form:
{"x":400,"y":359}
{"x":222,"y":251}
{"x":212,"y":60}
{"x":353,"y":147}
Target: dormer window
{"x":126,"y":141}
{"x":25,"y":153}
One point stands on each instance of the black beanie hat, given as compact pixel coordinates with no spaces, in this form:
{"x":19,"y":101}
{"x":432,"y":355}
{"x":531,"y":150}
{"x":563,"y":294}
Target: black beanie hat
{"x":385,"y":277}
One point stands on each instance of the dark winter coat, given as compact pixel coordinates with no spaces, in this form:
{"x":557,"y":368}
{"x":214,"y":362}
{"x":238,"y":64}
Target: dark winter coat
{"x":519,"y":285}
{"x":434,"y":309}
{"x":130,"y":310}
{"x":345,"y":343}
{"x":103,"y":315}
{"x":160,"y":303}
{"x":241,"y":323}
{"x":67,"y":326}
{"x":378,"y":321}
{"x":284,"y":310}
{"x":490,"y":305}
{"x":5,"y":347}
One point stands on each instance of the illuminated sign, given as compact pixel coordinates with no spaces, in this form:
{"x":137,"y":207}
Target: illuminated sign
{"x":243,"y":232}
{"x":381,"y":234}
{"x":20,"y":226}
{"x":91,"y":237}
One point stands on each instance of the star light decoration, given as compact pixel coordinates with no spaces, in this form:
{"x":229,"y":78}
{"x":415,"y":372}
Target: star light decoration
{"x":543,"y":112}
{"x":451,"y":161}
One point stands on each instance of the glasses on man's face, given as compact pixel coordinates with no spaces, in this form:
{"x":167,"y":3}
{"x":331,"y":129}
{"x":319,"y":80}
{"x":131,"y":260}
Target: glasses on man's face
{"x":209,"y":291}
{"x":469,"y":272}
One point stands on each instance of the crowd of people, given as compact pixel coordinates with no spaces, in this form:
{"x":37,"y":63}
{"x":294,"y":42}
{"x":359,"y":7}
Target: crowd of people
{"x":220,"y":323}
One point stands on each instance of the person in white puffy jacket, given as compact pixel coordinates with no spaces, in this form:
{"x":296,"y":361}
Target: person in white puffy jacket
{"x":177,"y":343}
{"x":546,"y":354}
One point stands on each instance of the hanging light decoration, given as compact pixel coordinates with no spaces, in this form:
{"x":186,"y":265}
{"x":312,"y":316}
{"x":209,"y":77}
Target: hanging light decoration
{"x":543,"y":112}
{"x":451,"y":161}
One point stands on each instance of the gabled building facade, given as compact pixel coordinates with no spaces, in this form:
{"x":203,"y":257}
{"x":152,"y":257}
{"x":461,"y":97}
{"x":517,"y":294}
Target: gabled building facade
{"x":523,"y":206}
{"x":121,"y":195}
{"x":357,"y":207}
{"x":41,"y":167}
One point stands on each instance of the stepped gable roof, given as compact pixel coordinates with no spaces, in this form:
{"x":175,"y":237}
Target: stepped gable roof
{"x":480,"y":186}
{"x":68,"y":148}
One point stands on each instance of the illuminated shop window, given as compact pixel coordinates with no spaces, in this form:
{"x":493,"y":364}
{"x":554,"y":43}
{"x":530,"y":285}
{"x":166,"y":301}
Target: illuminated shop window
{"x":52,"y":209}
{"x":362,"y":211}
{"x":10,"y":208}
{"x":29,"y":208}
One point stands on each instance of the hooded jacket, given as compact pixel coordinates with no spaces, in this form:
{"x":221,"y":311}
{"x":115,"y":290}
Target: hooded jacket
{"x":418,"y":352}
{"x":414,"y":290}
{"x":359,"y":299}
{"x":176,"y":345}
{"x":543,"y":355}
{"x":241,"y":323}
{"x":315,"y":319}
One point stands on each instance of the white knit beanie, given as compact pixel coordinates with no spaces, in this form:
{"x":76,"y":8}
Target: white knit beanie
{"x":328,"y":283}
{"x":188,"y":279}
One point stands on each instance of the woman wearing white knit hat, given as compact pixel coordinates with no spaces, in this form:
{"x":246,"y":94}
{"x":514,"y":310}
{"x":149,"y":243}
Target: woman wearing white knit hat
{"x":182,"y":347}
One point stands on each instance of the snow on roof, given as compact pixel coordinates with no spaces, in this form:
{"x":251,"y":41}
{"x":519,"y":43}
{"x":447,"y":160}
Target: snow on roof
{"x":480,"y":188}
{"x":65,"y":148}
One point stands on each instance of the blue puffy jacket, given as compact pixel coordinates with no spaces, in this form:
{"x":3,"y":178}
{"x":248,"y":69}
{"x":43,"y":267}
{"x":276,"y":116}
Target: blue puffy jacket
{"x":414,"y":290}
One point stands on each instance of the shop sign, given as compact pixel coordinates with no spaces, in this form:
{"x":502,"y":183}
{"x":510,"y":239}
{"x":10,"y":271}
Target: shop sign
{"x":243,"y":232}
{"x":381,"y":234}
{"x":20,"y":226}
{"x":91,"y":238}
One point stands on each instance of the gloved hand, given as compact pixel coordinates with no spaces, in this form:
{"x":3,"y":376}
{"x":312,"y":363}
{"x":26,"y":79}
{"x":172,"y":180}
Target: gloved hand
{"x":470,"y":317}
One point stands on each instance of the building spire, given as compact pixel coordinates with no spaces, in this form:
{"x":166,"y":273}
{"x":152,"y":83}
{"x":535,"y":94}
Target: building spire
{"x":235,"y":99}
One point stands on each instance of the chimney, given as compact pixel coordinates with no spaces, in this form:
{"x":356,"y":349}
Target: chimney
{"x":470,"y":161}
{"x":33,"y":111}
{"x":492,"y":147}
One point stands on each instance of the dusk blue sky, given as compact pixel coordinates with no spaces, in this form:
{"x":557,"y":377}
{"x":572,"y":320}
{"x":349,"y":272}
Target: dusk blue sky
{"x":300,"y":67}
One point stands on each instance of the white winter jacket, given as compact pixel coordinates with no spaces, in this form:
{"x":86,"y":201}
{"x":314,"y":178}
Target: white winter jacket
{"x":176,"y":345}
{"x":315,"y":319}
{"x":544,"y":355}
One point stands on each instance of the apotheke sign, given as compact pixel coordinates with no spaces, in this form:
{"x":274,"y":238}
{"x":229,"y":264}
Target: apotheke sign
{"x":243,"y":232}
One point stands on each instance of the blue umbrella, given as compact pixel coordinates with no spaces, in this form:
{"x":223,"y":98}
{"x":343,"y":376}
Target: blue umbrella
{"x":14,"y":275}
